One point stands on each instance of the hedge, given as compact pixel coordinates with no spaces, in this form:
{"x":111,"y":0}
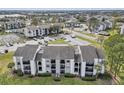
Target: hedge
{"x":93,"y":78}
{"x":44,"y":74}
{"x":57,"y":79}
{"x":68,"y":75}
{"x":10,"y":65}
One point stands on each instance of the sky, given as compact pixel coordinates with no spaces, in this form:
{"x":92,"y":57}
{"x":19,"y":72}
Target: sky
{"x":61,"y":3}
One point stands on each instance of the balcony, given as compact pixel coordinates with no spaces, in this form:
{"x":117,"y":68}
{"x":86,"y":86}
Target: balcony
{"x":89,"y":64}
{"x":27,"y":68}
{"x":26,"y":62}
{"x":88,"y":73}
{"x":89,"y":68}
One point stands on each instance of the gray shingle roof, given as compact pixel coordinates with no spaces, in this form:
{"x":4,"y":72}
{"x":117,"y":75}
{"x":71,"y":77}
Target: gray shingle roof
{"x":90,"y":52}
{"x":58,"y":52}
{"x":100,"y":54}
{"x":27,"y":52}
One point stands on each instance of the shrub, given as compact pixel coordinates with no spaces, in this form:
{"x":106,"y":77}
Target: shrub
{"x":93,"y":78}
{"x":105,"y":76}
{"x":6,"y":51}
{"x":14,"y":71}
{"x":57,"y":79}
{"x":68,"y":75}
{"x":44,"y":74}
{"x":10,"y":65}
{"x":19,"y":73}
{"x":30,"y":76}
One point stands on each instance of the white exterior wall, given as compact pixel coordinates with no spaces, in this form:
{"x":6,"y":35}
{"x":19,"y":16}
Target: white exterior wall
{"x":31,"y":34}
{"x":33,"y":67}
{"x":83,"y":69}
{"x":122,"y":30}
{"x":43,"y":66}
{"x":94,"y":69}
{"x":48,"y":62}
{"x":103,"y":69}
{"x":57,"y":66}
{"x":68,"y":66}
{"x":15,"y":62}
{"x":18,"y":59}
{"x":72,"y":66}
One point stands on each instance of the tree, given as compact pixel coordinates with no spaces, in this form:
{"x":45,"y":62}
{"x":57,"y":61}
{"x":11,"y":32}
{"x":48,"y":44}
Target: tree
{"x":114,"y":49}
{"x":98,"y":69}
{"x":92,"y":23}
{"x":119,"y":58}
{"x":81,"y":19}
{"x":34,"y":22}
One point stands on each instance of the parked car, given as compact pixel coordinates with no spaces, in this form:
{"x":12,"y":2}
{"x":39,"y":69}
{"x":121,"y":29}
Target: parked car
{"x":73,"y":36}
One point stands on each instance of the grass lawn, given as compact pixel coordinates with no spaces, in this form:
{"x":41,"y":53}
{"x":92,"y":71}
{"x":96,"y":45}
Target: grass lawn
{"x":3,"y":33}
{"x":122,"y":78}
{"x":113,"y":32}
{"x":88,"y":34}
{"x":4,"y":61}
{"x":58,"y":41}
{"x":15,"y":80}
{"x":91,"y":41}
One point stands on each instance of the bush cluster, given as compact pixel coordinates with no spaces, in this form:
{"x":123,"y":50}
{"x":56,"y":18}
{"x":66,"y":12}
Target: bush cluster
{"x":93,"y":78}
{"x":44,"y":74}
{"x":68,"y":75}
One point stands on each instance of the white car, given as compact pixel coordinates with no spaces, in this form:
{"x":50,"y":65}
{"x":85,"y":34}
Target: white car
{"x":2,"y":51}
{"x":67,"y":40}
{"x":72,"y":35}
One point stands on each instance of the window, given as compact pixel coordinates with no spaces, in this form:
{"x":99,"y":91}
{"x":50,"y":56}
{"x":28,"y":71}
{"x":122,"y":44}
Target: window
{"x":26,"y":62}
{"x":53,"y":66}
{"x":62,"y":71}
{"x":75,"y":69}
{"x":18,"y":63}
{"x":39,"y":63}
{"x":62,"y":61}
{"x":62,"y":66}
{"x":47,"y":61}
{"x":68,"y":61}
{"x":76,"y":64}
{"x":47,"y":66}
{"x":40,"y":68}
{"x":53,"y":61}
{"x":27,"y":68}
{"x":53,"y":71}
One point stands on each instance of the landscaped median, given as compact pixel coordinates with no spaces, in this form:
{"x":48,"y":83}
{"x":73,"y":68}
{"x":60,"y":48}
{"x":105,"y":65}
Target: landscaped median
{"x":58,"y":41}
{"x":89,"y":40}
{"x":88,"y":34}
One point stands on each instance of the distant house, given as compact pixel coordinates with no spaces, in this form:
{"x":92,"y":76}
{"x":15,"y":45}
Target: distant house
{"x":34,"y":31}
{"x":80,"y":60}
{"x":102,"y":26}
{"x":11,"y":26}
{"x":73,"y":24}
{"x":122,"y":30}
{"x":42,"y":30}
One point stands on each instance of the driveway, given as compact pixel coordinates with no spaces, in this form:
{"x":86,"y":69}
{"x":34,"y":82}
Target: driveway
{"x":75,"y":41}
{"x":81,"y":35}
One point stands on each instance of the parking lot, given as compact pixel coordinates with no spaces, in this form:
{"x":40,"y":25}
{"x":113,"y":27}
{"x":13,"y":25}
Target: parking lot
{"x":9,"y":39}
{"x":14,"y":40}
